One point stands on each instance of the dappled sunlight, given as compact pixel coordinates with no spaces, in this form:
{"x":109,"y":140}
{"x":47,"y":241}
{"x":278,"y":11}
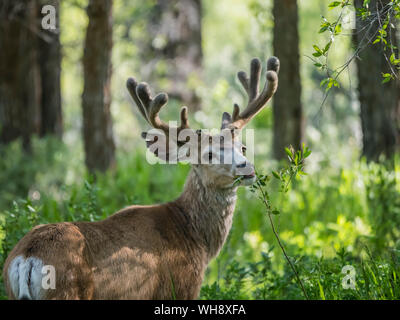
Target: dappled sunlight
{"x":333,"y":91}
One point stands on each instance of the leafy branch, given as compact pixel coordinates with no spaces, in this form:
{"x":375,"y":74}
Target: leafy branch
{"x":334,"y":29}
{"x":374,"y":35}
{"x":285,"y":176}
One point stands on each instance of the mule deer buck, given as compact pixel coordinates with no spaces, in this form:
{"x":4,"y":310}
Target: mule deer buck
{"x":146,"y":252}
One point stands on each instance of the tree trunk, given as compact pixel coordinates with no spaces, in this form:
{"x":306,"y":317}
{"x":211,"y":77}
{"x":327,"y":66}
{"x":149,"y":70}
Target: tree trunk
{"x":50,"y":70}
{"x":287,"y":108}
{"x":379,"y":103}
{"x":96,"y":98}
{"x":19,"y":72}
{"x":175,"y":42}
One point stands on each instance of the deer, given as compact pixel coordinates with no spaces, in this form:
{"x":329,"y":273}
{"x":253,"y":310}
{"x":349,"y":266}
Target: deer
{"x":153,"y":252}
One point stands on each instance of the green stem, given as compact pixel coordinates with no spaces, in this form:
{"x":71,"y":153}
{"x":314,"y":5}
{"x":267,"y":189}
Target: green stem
{"x":268,"y":207}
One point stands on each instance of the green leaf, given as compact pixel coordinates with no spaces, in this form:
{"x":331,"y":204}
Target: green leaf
{"x":387,"y":77}
{"x":276,"y":175}
{"x":298,"y":157}
{"x":324,"y":82}
{"x":334,"y":4}
{"x":307,"y":152}
{"x":317,"y":49}
{"x":289,"y":153}
{"x":338,"y":28}
{"x":323,"y":29}
{"x":275,"y":212}
{"x":321,"y":291}
{"x":385,"y":80}
{"x":392,"y":58}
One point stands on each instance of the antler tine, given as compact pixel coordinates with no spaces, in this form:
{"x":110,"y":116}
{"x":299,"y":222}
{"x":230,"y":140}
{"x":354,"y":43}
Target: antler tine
{"x":131,"y":84}
{"x":143,"y":92}
{"x":155,"y":106}
{"x":255,"y":73}
{"x":150,"y":107}
{"x":184,"y":118}
{"x":251,"y":85}
{"x":256,"y":101}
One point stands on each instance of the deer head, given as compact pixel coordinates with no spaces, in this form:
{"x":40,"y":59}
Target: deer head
{"x":218,"y":159}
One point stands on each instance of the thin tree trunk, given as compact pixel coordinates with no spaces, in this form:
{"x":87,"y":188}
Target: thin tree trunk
{"x":287,"y":108}
{"x":19,"y":72}
{"x":50,"y":70}
{"x":96,"y":98}
{"x":175,"y":42}
{"x":379,"y":103}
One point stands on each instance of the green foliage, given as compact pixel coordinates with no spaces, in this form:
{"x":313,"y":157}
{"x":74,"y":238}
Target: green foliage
{"x":334,"y":29}
{"x":322,"y":278}
{"x":384,"y":17}
{"x":382,"y":191}
{"x":14,"y":224}
{"x":328,"y":212}
{"x":326,"y":221}
{"x":285,"y":176}
{"x":53,"y":195}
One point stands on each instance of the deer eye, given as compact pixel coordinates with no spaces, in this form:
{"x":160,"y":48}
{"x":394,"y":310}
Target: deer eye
{"x":244,"y":150}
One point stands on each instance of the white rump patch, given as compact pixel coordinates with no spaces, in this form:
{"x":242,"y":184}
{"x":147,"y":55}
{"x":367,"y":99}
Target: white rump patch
{"x":25,"y":277}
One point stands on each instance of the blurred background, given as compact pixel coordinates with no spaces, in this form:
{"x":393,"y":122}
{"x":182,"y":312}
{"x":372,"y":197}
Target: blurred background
{"x":70,"y":146}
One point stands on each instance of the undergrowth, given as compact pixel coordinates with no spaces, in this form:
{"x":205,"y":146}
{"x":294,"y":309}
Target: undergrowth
{"x":331,"y":219}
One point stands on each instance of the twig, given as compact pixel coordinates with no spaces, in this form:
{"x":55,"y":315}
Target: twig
{"x":268,"y":207}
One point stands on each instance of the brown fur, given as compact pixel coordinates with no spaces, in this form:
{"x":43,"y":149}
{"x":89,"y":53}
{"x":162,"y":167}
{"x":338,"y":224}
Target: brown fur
{"x":140,"y":252}
{"x":151,"y":252}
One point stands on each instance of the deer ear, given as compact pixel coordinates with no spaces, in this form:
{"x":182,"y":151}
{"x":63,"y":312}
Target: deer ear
{"x":226,"y":120}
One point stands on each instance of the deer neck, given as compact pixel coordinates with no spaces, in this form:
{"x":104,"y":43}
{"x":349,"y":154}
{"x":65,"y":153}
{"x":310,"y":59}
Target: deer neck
{"x":210,"y":211}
